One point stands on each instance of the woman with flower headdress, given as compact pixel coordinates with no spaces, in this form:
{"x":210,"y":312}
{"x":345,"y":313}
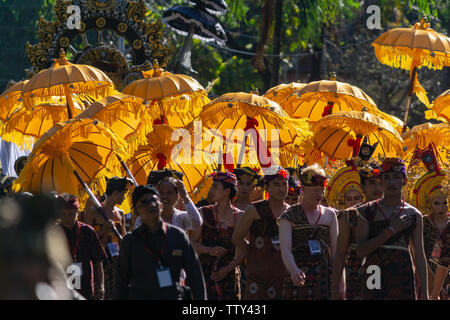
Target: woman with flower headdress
{"x":265,"y":270}
{"x":344,"y":191}
{"x":388,"y":231}
{"x":308,"y":233}
{"x":247,"y":178}
{"x":430,"y":198}
{"x":218,"y":255}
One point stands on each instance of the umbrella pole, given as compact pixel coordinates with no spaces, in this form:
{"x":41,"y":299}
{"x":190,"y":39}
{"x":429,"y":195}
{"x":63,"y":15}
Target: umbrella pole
{"x":186,"y":46}
{"x":97,"y":204}
{"x":241,"y":154}
{"x":125,"y":167}
{"x":69,"y":101}
{"x":408,"y":101}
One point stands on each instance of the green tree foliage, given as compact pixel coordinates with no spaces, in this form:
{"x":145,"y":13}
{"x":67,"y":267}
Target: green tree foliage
{"x":18,"y":24}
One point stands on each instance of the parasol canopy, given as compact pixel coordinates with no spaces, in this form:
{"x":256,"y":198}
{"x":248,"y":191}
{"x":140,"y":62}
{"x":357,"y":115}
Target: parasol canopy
{"x":410,"y":49}
{"x":321,"y":98}
{"x":232,"y":115}
{"x":64,"y":79}
{"x":84,"y":145}
{"x":205,"y":27}
{"x":282,"y":91}
{"x":10,"y":100}
{"x":339,"y":135}
{"x":174,"y":98}
{"x":160,"y":152}
{"x":125,"y":115}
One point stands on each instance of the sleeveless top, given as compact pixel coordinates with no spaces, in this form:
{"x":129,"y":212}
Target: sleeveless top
{"x":265,"y":269}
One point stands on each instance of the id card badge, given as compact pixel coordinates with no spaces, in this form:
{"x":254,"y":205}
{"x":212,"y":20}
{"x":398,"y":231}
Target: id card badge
{"x":113,"y":249}
{"x":314,"y":247}
{"x":276,"y":241}
{"x":164,"y":277}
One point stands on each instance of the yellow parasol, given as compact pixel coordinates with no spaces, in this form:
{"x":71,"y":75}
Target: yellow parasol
{"x":282,"y":91}
{"x":441,"y":107}
{"x":125,"y":115}
{"x":62,"y":81}
{"x":25,"y":127}
{"x":174,"y":98}
{"x":421,"y":136}
{"x":320,"y":98}
{"x":10,"y":100}
{"x":160,"y":152}
{"x":339,"y":135}
{"x":412,"y":48}
{"x":71,"y":155}
{"x":233,"y":115}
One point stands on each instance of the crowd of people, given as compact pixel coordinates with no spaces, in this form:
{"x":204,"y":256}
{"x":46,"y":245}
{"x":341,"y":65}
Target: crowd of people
{"x":293,"y":234}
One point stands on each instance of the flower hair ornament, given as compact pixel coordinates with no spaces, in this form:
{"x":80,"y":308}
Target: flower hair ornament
{"x":275,"y":173}
{"x":224,"y":177}
{"x":393,"y":165}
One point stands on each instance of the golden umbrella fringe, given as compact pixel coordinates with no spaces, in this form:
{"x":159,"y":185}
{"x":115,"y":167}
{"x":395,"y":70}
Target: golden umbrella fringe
{"x":217,"y":113}
{"x":359,"y":125}
{"x":438,"y":107}
{"x":95,"y":91}
{"x":186,"y":104}
{"x":401,"y":57}
{"x":346,"y":97}
{"x":139,"y":137}
{"x":363,"y":123}
{"x":24,"y":116}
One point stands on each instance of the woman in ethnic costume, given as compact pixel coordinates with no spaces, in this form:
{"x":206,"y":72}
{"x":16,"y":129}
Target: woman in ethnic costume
{"x":308,"y":234}
{"x":344,"y":191}
{"x":441,"y":256}
{"x":385,"y":230}
{"x":218,"y":256}
{"x":428,"y":196}
{"x":265,"y":270}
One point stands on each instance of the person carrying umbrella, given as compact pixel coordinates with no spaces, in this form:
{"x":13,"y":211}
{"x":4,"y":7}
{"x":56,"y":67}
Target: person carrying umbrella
{"x":116,"y":189}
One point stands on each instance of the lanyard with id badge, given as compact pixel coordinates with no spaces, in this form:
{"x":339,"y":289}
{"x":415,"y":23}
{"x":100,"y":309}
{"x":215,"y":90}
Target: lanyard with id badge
{"x":314,"y":244}
{"x":163,"y":273}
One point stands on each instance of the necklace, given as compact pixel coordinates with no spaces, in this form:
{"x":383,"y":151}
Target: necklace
{"x":382,"y":212}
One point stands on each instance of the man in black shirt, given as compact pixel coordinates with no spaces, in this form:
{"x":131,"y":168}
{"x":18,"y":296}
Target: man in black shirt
{"x":152,"y":256}
{"x":85,"y":247}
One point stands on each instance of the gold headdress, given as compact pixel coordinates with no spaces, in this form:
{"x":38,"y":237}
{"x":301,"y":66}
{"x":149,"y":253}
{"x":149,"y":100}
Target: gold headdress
{"x":343,"y":180}
{"x":426,"y":188}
